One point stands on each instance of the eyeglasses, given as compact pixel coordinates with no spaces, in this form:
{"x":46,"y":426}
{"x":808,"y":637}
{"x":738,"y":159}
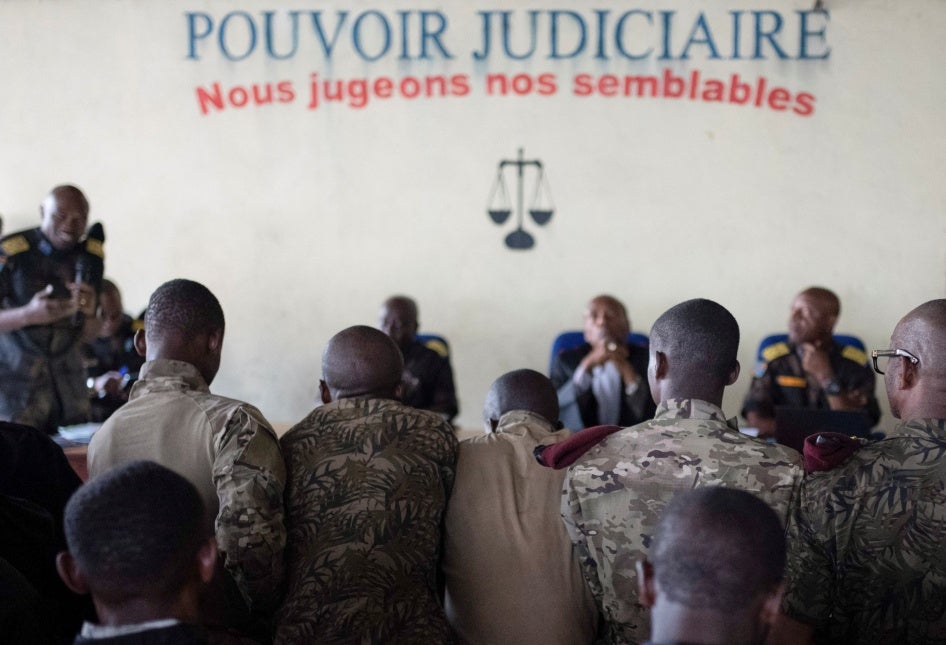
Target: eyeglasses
{"x":882,"y":358}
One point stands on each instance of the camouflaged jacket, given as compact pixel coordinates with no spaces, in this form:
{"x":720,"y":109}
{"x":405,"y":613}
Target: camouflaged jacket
{"x":615,"y":493}
{"x":368,"y":482}
{"x":867,"y":543}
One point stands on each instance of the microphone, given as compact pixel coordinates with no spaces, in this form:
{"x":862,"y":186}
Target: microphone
{"x":90,"y":265}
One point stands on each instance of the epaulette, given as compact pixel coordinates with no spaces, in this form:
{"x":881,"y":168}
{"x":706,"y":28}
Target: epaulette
{"x":14,"y":245}
{"x":777,"y":350}
{"x":438,"y":346}
{"x":137,"y":324}
{"x":852,"y":353}
{"x":94,"y":247}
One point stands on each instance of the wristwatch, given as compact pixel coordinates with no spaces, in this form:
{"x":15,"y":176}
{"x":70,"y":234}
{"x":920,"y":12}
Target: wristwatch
{"x":833,"y":387}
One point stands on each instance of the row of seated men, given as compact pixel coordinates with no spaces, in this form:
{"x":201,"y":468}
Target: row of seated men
{"x":341,"y":530}
{"x":51,"y":339}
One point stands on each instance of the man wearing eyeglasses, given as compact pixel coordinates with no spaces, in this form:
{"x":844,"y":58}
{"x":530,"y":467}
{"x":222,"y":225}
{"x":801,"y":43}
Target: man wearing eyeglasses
{"x":867,"y":540}
{"x":810,"y":370}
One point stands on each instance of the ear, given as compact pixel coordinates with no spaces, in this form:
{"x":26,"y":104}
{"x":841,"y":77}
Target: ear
{"x":771,"y":607}
{"x":141,"y":344}
{"x":646,"y":588}
{"x":660,"y":365}
{"x":207,"y":560}
{"x":734,"y":374}
{"x":324,"y":392}
{"x":215,"y":341}
{"x":907,"y":376}
{"x":71,"y":575}
{"x":399,"y":391}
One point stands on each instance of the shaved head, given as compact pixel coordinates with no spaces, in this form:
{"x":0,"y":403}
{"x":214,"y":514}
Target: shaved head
{"x":359,"y":361}
{"x":922,"y":332}
{"x":521,"y":390}
{"x":919,"y":391}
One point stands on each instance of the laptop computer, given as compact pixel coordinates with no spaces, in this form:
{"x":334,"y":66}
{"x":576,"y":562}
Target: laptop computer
{"x":793,"y":425}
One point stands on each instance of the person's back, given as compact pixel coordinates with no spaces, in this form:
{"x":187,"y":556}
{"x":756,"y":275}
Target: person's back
{"x":222,"y":446}
{"x":368,"y":481}
{"x":615,"y":492}
{"x":867,"y":540}
{"x":508,"y":564}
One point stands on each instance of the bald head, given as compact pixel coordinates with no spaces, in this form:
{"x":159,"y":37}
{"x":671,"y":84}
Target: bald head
{"x":64,"y":214}
{"x":919,"y":391}
{"x":359,"y":361}
{"x":520,"y":390}
{"x":398,"y":319}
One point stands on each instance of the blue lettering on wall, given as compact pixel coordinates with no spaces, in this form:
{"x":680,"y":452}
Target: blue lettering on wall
{"x":516,"y":35}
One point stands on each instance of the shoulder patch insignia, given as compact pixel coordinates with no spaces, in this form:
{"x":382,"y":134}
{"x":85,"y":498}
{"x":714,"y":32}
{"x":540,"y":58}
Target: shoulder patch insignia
{"x":437,"y":346}
{"x":14,"y":245}
{"x":777,"y":350}
{"x":94,"y":247}
{"x":791,"y":381}
{"x":854,"y":354}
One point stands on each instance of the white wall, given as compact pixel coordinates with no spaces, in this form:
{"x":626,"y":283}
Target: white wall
{"x":302,"y":221}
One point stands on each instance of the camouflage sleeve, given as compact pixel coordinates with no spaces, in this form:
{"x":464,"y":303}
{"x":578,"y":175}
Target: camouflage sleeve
{"x":250,"y":476}
{"x":809,"y":566}
{"x":572,"y":518}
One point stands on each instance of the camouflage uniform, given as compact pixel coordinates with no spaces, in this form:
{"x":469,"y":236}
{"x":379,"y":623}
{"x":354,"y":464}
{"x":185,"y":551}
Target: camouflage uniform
{"x":615,"y":493}
{"x":41,"y":370}
{"x":781,"y":380}
{"x":867,"y":542}
{"x":368,"y":482}
{"x":222,"y":446}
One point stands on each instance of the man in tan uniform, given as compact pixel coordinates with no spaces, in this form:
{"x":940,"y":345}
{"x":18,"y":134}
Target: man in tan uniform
{"x":510,"y":573}
{"x":222,"y":446}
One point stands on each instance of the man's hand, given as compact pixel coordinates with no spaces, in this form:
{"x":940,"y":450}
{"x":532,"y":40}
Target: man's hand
{"x":109,"y":384}
{"x":43,"y":308}
{"x":83,"y":298}
{"x":615,"y":352}
{"x":815,"y":361}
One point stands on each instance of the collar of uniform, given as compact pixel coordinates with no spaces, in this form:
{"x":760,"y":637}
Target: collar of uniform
{"x":933,"y":428}
{"x":162,"y":368}
{"x":518,"y":422}
{"x":692,"y":409}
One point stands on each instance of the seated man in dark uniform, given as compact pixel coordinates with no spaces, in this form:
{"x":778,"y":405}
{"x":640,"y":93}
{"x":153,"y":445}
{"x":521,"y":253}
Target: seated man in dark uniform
{"x":428,"y":377}
{"x":810,"y":370}
{"x":604,"y":380}
{"x":110,"y":358}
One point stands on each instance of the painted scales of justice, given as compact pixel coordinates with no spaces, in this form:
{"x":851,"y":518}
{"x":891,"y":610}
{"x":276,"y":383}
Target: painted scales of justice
{"x":500,"y":207}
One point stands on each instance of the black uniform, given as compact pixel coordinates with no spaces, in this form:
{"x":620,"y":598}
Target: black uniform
{"x":781,"y":380}
{"x":42,"y":378}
